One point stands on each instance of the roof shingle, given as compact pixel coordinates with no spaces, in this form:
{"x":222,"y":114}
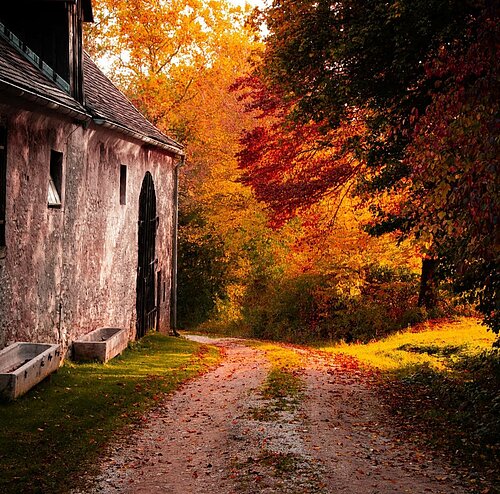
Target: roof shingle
{"x":16,"y":70}
{"x":106,"y":101}
{"x":103,"y":100}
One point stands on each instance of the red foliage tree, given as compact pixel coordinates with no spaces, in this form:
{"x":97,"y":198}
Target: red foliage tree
{"x":292,"y":165}
{"x":416,"y":121}
{"x":453,"y":157}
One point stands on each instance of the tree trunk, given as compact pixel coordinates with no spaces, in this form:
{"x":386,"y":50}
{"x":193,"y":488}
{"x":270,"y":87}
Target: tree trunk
{"x":427,"y":296}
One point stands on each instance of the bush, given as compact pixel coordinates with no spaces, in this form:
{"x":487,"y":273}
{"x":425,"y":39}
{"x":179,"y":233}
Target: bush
{"x":202,"y":270}
{"x":318,"y":306}
{"x":413,"y":315}
{"x":457,"y":410}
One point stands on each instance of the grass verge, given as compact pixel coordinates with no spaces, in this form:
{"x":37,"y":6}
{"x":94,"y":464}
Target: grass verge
{"x":54,"y":434}
{"x":283,"y":385}
{"x":443,"y":385}
{"x":436,"y":345}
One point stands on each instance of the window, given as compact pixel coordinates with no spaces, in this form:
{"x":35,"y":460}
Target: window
{"x":55,"y":180}
{"x":3,"y":183}
{"x":123,"y":184}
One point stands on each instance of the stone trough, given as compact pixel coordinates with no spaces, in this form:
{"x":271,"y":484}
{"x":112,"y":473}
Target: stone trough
{"x":23,"y":365}
{"x":101,"y":344}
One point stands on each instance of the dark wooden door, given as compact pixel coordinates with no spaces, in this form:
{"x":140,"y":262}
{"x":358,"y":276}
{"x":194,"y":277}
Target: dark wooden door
{"x":3,"y":185}
{"x":146,"y":266}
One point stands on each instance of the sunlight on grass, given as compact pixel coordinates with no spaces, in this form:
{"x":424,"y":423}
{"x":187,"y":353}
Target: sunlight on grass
{"x":69,"y":418}
{"x":283,"y":385}
{"x":441,"y":382}
{"x":279,"y":355}
{"x":435,"y":345}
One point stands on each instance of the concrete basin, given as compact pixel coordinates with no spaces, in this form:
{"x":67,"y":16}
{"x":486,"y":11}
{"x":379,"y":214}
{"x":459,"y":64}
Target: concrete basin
{"x":101,"y":344}
{"x":23,"y":365}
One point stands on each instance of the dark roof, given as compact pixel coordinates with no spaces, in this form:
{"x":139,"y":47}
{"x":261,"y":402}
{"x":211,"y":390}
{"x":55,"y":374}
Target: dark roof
{"x":17,"y":71}
{"x":103,"y":100}
{"x":88,"y":15}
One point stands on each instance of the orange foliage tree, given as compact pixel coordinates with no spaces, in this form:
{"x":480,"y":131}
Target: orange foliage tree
{"x":178,"y":62}
{"x":424,"y":74}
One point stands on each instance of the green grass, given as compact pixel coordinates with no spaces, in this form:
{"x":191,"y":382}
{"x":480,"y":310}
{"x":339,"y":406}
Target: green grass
{"x":283,"y":385}
{"x":280,"y":356}
{"x":282,"y":463}
{"x":54,"y":434}
{"x":436,"y":345}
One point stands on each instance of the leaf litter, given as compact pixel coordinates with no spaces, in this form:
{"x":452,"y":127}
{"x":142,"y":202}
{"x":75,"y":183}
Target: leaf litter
{"x":220,"y":435}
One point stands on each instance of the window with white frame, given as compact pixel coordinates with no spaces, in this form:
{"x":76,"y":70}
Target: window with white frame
{"x":54,"y":196}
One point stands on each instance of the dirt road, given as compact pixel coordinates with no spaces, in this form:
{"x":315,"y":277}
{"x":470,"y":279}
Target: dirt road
{"x":208,"y":438}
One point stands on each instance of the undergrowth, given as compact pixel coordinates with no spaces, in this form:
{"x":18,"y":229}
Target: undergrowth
{"x":53,"y":435}
{"x":456,"y":410}
{"x":344,"y":305}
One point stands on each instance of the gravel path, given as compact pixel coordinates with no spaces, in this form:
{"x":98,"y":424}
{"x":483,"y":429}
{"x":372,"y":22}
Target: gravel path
{"x":352,"y":437}
{"x":209,"y":438}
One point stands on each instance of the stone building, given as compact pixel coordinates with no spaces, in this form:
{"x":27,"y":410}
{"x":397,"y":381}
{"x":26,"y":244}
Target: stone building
{"x":87,"y":187}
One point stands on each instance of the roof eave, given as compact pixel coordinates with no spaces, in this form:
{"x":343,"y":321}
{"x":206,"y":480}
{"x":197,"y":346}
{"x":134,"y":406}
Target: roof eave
{"x":31,"y":96}
{"x":176,"y":151}
{"x":85,"y":117}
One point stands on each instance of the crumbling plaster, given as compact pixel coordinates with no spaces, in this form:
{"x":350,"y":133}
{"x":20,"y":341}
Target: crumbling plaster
{"x":69,"y":270}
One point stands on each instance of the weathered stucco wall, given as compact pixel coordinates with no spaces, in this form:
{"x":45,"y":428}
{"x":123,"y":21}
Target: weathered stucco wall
{"x":68,"y":271}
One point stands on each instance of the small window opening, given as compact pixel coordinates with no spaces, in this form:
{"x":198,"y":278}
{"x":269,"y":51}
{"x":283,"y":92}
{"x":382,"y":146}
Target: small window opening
{"x":123,"y":184}
{"x":55,"y":180}
{"x":3,"y":183}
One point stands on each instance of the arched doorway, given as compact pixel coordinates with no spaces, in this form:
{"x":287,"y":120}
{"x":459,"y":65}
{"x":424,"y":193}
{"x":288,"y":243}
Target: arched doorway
{"x":146,"y":265}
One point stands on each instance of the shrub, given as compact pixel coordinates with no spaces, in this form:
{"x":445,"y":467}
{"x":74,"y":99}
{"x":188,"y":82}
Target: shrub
{"x":335,"y":306}
{"x":202,"y":270}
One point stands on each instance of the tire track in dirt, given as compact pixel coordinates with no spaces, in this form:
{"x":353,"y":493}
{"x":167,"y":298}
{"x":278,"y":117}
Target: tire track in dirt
{"x":207,"y":439}
{"x":186,"y":445}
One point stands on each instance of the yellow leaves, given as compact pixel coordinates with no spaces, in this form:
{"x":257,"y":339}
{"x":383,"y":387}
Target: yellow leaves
{"x":159,"y":35}
{"x":176,"y":60}
{"x":330,"y":235}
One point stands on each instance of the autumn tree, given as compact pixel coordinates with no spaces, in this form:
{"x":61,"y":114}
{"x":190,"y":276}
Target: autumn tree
{"x":176,"y":60}
{"x":163,"y":53}
{"x":453,"y":155}
{"x":288,"y":164}
{"x":414,"y":70}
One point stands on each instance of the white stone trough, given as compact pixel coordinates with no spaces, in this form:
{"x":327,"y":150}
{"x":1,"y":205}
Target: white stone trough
{"x":102,"y":344}
{"x":23,"y":365}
